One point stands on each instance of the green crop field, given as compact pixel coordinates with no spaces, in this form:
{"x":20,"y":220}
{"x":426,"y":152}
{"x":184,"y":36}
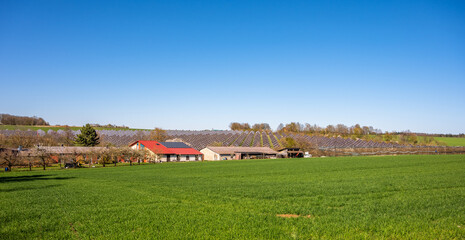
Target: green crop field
{"x":393,"y":197}
{"x":452,"y":141}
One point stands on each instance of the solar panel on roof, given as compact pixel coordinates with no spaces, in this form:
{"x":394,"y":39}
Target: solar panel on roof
{"x":174,"y":144}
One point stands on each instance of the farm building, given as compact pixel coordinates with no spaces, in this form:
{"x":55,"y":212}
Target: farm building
{"x":168,"y":151}
{"x":291,"y":153}
{"x":228,"y":153}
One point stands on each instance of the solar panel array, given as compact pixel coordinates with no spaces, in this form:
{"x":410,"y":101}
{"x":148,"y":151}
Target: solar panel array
{"x":201,"y":139}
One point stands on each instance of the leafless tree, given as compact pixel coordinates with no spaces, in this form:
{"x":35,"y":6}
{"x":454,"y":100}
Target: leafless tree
{"x":158,"y":135}
{"x":105,"y":157}
{"x":22,"y":139}
{"x":8,"y":157}
{"x":27,"y":159}
{"x":68,"y":136}
{"x":43,"y":156}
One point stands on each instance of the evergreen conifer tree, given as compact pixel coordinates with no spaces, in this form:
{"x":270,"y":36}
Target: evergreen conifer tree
{"x":88,"y":137}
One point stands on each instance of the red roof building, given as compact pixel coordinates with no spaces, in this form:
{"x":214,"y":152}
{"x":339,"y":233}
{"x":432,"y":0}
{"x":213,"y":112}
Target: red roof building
{"x":168,"y":151}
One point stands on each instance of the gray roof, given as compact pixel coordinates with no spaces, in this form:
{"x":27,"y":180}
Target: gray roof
{"x":245,"y":150}
{"x":175,"y":145}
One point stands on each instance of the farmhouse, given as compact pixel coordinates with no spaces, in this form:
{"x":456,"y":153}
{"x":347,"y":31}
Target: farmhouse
{"x":168,"y":151}
{"x":228,"y":153}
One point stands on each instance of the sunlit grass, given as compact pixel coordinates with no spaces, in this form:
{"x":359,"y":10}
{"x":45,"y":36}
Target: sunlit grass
{"x":396,"y":197}
{"x":452,"y":141}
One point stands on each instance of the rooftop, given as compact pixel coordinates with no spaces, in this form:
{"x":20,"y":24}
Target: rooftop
{"x":232,"y":150}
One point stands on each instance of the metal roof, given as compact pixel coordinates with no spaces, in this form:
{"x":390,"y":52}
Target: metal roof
{"x":159,"y":148}
{"x":244,"y":150}
{"x":175,"y":145}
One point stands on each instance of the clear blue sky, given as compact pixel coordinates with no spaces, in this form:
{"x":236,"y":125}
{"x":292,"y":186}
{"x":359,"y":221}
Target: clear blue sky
{"x":394,"y":65}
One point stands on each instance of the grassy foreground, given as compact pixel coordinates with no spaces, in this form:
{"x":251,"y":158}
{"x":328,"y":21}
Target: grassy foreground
{"x":399,"y":197}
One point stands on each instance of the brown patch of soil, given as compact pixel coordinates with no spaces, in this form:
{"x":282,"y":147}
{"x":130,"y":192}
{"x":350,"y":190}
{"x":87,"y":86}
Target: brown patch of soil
{"x":292,"y":216}
{"x":74,"y":230}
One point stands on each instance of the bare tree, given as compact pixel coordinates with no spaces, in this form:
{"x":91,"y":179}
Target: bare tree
{"x":27,"y":159}
{"x":131,"y":154}
{"x":114,"y":153}
{"x":68,"y":136}
{"x":158,"y":134}
{"x":109,"y":155}
{"x":22,"y":139}
{"x":105,"y":157}
{"x":8,"y":157}
{"x":44,"y":157}
{"x":73,"y":158}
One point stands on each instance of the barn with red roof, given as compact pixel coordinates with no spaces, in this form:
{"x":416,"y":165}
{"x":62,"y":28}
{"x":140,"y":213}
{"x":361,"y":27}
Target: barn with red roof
{"x":168,"y":151}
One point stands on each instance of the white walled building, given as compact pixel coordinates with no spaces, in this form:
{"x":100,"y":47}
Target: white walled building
{"x":228,"y":153}
{"x":169,"y":151}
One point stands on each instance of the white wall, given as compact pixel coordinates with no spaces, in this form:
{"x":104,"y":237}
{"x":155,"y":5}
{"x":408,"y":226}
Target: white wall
{"x":209,"y":154}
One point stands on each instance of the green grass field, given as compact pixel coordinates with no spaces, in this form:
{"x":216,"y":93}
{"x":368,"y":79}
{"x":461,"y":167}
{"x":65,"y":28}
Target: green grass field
{"x":452,"y":141}
{"x":393,"y":197}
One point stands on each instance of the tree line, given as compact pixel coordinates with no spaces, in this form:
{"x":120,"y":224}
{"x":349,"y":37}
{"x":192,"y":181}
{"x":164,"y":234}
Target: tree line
{"x":7,"y":119}
{"x":41,"y":157}
{"x":87,"y":138}
{"x":246,"y":127}
{"x":356,"y":131}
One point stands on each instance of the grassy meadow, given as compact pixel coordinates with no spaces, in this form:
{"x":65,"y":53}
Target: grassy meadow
{"x":394,"y":197}
{"x":452,"y":141}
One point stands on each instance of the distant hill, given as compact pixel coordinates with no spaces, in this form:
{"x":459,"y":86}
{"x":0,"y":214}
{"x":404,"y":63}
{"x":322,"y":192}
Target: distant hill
{"x":7,"y":119}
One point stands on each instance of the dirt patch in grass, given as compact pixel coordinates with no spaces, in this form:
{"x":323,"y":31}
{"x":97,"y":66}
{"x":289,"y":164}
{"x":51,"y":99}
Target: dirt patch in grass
{"x":292,"y":216}
{"x":74,"y":230}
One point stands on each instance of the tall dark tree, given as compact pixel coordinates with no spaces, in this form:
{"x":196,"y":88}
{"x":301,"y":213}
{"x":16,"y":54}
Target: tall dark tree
{"x":88,"y":137}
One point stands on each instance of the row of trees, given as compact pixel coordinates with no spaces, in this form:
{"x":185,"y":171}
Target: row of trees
{"x":356,"y":131}
{"x":87,"y":138}
{"x":27,"y":140}
{"x":246,"y":127}
{"x":42,"y":157}
{"x":296,"y":127}
{"x":339,"y":129}
{"x":7,"y":119}
{"x":109,"y":126}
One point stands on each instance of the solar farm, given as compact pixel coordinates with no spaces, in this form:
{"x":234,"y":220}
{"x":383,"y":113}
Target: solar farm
{"x":326,"y":146}
{"x":201,"y":139}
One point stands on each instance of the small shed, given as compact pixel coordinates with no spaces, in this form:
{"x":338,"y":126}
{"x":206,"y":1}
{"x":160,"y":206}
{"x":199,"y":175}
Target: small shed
{"x":291,"y":153}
